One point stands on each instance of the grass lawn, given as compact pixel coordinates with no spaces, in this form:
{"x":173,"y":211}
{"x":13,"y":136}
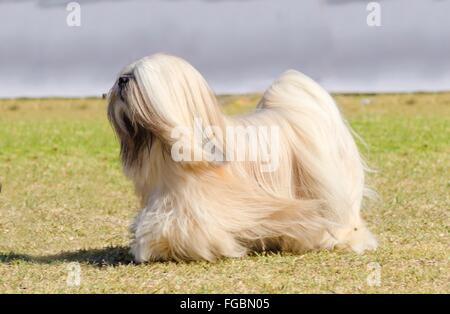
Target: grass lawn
{"x":64,"y":199}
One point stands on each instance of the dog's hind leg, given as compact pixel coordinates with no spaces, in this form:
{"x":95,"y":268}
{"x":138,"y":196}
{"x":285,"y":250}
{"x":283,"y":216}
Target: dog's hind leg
{"x":326,"y":155}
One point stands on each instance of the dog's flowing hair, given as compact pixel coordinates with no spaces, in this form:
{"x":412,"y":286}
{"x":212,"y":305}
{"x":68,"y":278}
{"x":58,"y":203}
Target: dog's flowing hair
{"x":195,"y":210}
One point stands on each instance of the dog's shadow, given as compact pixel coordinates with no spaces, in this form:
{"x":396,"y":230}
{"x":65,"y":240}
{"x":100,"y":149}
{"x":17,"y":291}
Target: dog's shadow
{"x":108,"y":256}
{"x":100,"y":257}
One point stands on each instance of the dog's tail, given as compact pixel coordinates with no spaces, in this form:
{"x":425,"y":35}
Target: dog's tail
{"x":326,"y":156}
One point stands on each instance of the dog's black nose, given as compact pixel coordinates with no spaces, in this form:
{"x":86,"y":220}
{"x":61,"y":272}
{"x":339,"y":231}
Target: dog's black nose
{"x":123,"y":80}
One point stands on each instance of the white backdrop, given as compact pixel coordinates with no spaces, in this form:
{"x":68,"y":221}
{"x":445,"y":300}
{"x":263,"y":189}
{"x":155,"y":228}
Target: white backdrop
{"x":239,"y":46}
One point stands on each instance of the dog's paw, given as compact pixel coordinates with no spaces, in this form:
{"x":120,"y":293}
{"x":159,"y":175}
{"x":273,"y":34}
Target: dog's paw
{"x":363,"y":240}
{"x":356,"y":239}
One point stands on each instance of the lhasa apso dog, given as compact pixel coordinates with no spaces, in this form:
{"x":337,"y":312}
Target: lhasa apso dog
{"x":217,"y":206}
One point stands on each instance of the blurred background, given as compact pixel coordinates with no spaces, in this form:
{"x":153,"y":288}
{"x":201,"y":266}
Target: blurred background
{"x":239,"y":46}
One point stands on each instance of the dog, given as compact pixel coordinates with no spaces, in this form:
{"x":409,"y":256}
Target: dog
{"x":209,"y":208}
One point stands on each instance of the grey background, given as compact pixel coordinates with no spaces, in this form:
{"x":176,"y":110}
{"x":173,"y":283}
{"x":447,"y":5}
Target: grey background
{"x":239,"y":46}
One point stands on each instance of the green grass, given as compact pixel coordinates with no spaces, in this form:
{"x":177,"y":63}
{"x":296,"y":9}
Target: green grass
{"x":64,"y":199}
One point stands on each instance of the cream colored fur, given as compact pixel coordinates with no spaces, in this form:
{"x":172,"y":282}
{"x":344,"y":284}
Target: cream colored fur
{"x":194,"y":210}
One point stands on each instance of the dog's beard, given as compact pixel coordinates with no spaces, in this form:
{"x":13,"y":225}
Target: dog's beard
{"x":134,"y":143}
{"x":134,"y":138}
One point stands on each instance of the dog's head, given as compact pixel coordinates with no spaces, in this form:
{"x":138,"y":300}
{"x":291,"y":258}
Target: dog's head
{"x":154,"y":95}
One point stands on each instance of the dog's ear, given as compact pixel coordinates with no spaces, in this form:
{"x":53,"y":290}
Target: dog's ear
{"x":142,"y":111}
{"x":171,"y":100}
